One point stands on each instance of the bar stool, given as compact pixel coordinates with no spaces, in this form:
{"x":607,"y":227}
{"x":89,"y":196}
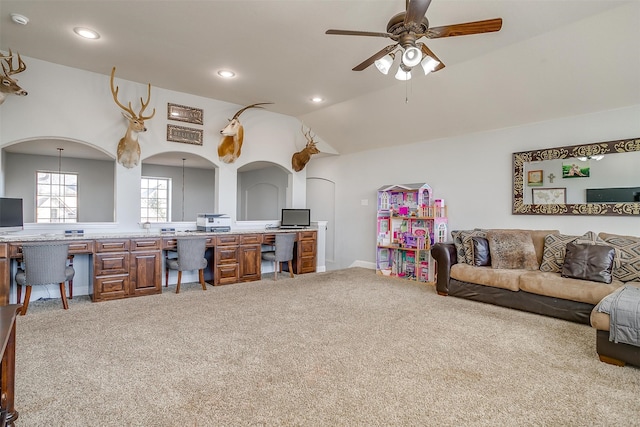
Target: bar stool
{"x":44,"y":264}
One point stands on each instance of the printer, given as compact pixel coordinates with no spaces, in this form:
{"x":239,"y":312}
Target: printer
{"x":213,"y":222}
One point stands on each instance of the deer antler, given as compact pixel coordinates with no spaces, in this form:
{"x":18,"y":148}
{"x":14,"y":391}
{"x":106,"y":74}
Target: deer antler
{"x":308,"y":136}
{"x":9,"y":61}
{"x":144,"y":106}
{"x":235,"y":116}
{"x":129,"y":109}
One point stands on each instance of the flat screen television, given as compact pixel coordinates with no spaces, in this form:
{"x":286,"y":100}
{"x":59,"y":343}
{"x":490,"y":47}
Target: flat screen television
{"x":295,"y":218}
{"x":10,"y":215}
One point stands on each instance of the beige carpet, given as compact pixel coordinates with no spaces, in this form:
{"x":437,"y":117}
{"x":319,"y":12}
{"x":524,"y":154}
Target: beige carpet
{"x":344,"y":348}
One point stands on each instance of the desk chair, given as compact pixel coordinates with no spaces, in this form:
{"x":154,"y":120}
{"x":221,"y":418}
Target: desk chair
{"x":190,"y":257}
{"x":283,"y":253}
{"x":44,"y":264}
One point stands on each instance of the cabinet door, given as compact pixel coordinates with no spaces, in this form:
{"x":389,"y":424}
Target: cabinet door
{"x":250,"y":258}
{"x":146,"y":270}
{"x":226,"y":274}
{"x":110,"y":287}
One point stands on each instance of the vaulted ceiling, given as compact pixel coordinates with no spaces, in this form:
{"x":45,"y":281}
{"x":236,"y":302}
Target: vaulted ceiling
{"x":551,"y":59}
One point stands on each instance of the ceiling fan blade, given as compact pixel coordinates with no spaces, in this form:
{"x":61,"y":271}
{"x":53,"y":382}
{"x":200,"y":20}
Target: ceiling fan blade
{"x":429,"y":52}
{"x":364,"y":64}
{"x":416,"y":9}
{"x":358,"y":33}
{"x":477,"y":27}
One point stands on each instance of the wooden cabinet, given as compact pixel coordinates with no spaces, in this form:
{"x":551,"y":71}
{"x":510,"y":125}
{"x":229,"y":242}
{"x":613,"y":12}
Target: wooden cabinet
{"x":146,"y":267}
{"x":225,"y":260}
{"x":250,"y":257}
{"x":126,"y":268}
{"x":306,"y":252}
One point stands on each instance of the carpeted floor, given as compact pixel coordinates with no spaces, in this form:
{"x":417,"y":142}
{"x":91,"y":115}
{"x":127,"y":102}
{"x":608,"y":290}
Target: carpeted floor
{"x":343,"y":348}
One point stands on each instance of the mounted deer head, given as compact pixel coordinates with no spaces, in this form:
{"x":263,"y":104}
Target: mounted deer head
{"x":300,"y":159}
{"x":128,"y":147}
{"x":10,"y":86}
{"x":230,"y":145}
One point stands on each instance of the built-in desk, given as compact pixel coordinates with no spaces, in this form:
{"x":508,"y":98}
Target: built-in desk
{"x":130,"y":265}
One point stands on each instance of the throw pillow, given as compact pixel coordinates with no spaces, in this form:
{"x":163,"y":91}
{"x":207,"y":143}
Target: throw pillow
{"x":589,"y":262}
{"x":629,"y":249}
{"x":468,"y":243}
{"x":481,"y":252}
{"x":457,"y":242}
{"x":554,"y":249}
{"x":512,"y":249}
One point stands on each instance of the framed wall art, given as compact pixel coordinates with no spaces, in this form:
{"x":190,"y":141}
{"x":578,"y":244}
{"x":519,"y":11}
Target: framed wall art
{"x":184,"y":134}
{"x":535,"y":178}
{"x":549,"y":196}
{"x":182,"y":113}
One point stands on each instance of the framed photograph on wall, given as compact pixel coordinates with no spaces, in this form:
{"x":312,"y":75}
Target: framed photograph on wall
{"x":184,"y":134}
{"x":535,"y":178}
{"x":549,"y":196}
{"x":182,"y":113}
{"x":576,"y":169}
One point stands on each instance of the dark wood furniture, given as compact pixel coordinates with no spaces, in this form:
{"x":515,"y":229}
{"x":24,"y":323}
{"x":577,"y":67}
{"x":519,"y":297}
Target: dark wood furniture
{"x":7,"y":368}
{"x":126,"y":267}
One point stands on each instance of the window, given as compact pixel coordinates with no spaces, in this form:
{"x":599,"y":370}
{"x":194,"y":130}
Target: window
{"x":56,"y":197}
{"x":155,"y":199}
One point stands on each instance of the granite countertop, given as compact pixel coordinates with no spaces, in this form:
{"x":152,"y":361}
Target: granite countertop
{"x":133,"y":235}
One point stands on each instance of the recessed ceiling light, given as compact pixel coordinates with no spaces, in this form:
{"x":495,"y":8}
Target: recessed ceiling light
{"x":227,"y":74}
{"x":19,"y":19}
{"x":317,"y":99}
{"x":87,"y":33}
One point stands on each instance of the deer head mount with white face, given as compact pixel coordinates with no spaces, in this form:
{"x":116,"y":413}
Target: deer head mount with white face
{"x":230,"y":146}
{"x":300,"y":159}
{"x":10,"y":86}
{"x":128,"y":147}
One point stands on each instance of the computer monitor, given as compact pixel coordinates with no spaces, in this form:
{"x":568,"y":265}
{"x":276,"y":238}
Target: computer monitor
{"x":295,"y":218}
{"x":10,"y":215}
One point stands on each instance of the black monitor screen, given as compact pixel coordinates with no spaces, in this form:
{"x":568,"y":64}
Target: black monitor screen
{"x":295,"y":218}
{"x":10,"y":214}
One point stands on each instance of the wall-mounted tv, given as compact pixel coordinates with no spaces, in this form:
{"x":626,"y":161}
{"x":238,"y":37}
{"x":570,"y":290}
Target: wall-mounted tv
{"x":10,"y":215}
{"x":295,"y":218}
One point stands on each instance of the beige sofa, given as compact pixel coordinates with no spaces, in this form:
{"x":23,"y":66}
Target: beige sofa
{"x":530,"y":273}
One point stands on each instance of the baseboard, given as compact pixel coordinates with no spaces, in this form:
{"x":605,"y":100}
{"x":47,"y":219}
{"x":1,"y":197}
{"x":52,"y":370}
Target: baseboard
{"x":364,"y":264}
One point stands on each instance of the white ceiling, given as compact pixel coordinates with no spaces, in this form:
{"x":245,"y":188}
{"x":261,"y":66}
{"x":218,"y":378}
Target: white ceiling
{"x":551,"y":59}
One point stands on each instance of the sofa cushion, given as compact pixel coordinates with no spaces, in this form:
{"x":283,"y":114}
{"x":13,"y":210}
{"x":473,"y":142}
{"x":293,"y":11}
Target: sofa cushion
{"x":554,"y":250}
{"x":512,"y":249}
{"x":601,"y":321}
{"x":481,"y":253}
{"x":467,"y":242}
{"x":554,"y":285}
{"x":588,"y":262}
{"x":456,"y":235}
{"x":629,"y":247}
{"x":505,"y":279}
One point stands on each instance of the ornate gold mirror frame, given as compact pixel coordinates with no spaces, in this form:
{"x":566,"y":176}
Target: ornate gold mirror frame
{"x":610,"y":147}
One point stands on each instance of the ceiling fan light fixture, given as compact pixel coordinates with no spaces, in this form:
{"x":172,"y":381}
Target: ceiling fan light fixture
{"x":384,"y":64}
{"x":429,"y":64}
{"x":411,"y":56}
{"x":403,"y":73}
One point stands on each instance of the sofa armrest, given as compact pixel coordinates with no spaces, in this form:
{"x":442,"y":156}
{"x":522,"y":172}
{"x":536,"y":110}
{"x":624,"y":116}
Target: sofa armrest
{"x":445,"y":256}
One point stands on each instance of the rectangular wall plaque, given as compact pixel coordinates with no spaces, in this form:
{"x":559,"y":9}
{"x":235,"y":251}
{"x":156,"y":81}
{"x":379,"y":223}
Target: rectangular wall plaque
{"x":184,"y":134}
{"x":182,"y":113}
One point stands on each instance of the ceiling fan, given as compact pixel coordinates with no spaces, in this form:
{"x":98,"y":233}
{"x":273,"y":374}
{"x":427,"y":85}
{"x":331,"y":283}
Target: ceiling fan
{"x":406,"y":28}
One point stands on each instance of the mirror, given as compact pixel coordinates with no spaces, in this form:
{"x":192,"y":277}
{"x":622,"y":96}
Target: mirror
{"x":552,"y":176}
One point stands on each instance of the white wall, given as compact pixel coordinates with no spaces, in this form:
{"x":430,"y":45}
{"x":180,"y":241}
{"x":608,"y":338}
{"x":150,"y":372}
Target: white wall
{"x":70,"y":103}
{"x":471,"y":172}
